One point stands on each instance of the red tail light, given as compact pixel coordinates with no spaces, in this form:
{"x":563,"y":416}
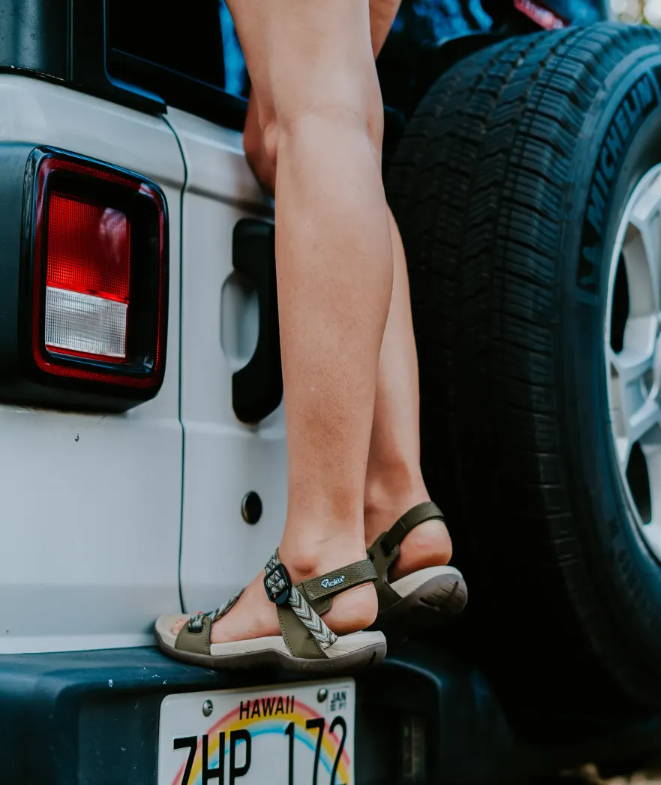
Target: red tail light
{"x":88,"y":266}
{"x":98,"y":274}
{"x":89,"y":248}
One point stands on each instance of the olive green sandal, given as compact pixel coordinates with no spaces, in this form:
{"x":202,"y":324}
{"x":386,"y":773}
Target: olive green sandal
{"x":306,"y":643}
{"x":422,"y":599}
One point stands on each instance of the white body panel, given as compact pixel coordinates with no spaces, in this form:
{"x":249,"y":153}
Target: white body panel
{"x":224,"y":459}
{"x":91,"y":503}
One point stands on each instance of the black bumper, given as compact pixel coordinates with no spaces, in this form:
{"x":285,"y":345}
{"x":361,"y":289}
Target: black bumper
{"x":91,"y":718}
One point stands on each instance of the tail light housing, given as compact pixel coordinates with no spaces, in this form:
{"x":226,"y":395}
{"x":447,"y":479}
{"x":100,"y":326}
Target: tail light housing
{"x":91,"y":286}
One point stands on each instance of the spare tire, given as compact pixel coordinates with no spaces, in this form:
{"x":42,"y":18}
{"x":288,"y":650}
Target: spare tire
{"x":528,"y":190}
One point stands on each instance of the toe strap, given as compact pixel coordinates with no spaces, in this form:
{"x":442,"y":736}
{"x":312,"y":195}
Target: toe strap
{"x":195,"y":635}
{"x":197,"y":639}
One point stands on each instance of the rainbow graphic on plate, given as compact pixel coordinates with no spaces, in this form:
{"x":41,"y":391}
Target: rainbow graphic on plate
{"x":271,"y":715}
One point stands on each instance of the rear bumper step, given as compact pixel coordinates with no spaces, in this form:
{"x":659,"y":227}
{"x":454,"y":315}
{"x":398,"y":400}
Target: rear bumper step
{"x":91,"y":718}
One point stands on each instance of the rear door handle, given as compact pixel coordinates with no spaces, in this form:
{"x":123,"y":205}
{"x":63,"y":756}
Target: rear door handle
{"x":257,"y":387}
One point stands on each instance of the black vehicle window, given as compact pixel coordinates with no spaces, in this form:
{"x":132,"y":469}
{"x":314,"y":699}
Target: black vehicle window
{"x":188,"y":54}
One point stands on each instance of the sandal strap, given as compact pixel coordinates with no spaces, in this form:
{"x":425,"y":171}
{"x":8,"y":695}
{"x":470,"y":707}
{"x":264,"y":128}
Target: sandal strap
{"x":195,"y":635}
{"x":281,"y":591}
{"x":300,"y":607}
{"x":412,"y":518}
{"x":385,"y":549}
{"x":337,"y":581}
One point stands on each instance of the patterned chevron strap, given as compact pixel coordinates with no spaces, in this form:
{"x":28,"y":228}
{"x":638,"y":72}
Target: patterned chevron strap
{"x":196,"y":620}
{"x":281,"y":591}
{"x":316,"y":626}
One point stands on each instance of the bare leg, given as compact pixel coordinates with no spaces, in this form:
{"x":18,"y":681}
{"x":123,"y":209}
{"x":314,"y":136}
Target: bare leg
{"x":394,"y":478}
{"x":320,"y":109}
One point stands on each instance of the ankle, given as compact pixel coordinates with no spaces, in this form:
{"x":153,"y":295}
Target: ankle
{"x":353,"y":609}
{"x":306,"y":558}
{"x":388,"y":495}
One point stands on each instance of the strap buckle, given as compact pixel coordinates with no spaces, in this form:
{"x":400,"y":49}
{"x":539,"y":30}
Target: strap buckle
{"x":278,"y":584}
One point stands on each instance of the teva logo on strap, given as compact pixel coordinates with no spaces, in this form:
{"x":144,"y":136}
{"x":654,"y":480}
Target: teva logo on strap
{"x":329,"y":583}
{"x":636,"y":105}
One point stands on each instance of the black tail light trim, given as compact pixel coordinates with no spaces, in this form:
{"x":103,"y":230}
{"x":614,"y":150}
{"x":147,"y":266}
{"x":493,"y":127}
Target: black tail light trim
{"x":32,"y":373}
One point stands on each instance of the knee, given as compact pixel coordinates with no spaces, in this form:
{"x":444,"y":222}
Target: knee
{"x":269,"y":142}
{"x":308,"y":128}
{"x":326,"y":123}
{"x":260,"y":155}
{"x":252,"y":146}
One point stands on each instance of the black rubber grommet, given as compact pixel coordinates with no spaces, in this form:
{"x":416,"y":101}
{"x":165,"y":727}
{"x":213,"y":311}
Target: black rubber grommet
{"x":251,"y":507}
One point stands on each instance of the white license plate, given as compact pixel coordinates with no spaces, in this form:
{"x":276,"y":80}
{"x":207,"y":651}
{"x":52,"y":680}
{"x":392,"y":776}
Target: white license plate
{"x":296,"y":734}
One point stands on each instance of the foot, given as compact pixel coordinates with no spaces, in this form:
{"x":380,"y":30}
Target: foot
{"x":255,"y":616}
{"x":428,"y":545}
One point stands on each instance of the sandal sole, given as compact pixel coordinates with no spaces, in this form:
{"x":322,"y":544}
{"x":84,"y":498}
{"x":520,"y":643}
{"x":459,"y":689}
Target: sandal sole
{"x":355,"y":659}
{"x":432,"y":604}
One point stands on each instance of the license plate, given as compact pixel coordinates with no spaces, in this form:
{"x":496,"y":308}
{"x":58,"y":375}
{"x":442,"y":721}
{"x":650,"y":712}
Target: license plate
{"x":296,"y":734}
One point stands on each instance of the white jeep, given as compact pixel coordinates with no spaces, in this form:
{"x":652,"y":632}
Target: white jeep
{"x":142,"y":446}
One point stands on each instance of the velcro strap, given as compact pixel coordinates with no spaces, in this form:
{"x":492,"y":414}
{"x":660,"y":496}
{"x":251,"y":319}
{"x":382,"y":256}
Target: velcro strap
{"x":414,"y":517}
{"x":338,"y":580}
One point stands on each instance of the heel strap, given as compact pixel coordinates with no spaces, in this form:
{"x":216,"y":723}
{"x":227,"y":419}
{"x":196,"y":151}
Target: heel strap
{"x":301,"y":606}
{"x":412,"y":518}
{"x":385,"y":549}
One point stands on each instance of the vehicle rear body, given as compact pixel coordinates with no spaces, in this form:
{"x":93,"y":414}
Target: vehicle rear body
{"x":88,"y":494}
{"x":114,"y":489}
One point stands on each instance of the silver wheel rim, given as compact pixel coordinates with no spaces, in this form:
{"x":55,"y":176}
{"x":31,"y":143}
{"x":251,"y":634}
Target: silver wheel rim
{"x":633,"y":355}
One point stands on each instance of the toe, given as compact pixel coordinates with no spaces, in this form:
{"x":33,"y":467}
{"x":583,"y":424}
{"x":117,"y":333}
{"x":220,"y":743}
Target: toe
{"x":178,"y":624}
{"x":167,"y":626}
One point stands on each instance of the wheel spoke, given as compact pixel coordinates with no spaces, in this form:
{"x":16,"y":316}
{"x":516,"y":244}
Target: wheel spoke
{"x":623,"y":447}
{"x":642,"y":252}
{"x":631,"y":365}
{"x":643,"y":420}
{"x":650,"y":445}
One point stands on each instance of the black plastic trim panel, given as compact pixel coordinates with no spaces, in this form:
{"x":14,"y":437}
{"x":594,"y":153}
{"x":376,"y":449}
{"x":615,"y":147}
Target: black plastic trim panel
{"x":257,"y":387}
